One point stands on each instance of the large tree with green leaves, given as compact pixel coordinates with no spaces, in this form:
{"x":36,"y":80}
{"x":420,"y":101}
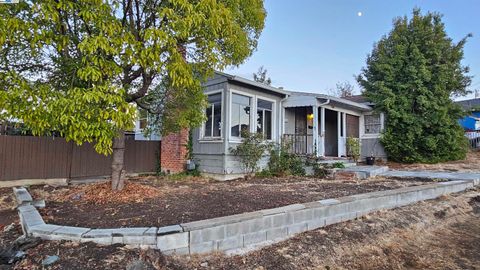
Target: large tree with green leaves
{"x":81,"y":67}
{"x":412,"y":75}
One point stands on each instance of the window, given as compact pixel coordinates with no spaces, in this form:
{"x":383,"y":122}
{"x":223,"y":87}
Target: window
{"x":213,"y":126}
{"x":240,"y":116}
{"x":372,"y":124}
{"x":143,"y":119}
{"x":264,"y":118}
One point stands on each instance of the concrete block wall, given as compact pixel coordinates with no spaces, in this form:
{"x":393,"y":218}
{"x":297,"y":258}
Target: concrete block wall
{"x":243,"y":231}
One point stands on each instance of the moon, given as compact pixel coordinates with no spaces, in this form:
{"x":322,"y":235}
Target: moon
{"x":359,"y":14}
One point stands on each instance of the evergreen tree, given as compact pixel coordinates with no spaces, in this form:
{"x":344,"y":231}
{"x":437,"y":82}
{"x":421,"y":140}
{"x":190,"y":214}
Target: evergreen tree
{"x":411,"y":75}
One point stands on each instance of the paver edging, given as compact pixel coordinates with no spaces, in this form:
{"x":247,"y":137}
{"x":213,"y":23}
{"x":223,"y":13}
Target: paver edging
{"x":241,"y":231}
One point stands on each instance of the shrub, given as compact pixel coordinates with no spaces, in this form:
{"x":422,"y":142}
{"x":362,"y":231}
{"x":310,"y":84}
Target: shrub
{"x":353,"y":148}
{"x":283,"y":163}
{"x":250,"y":150}
{"x":320,"y":170}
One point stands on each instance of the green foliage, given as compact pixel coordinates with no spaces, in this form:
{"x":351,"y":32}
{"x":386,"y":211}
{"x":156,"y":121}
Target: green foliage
{"x":411,"y":75}
{"x":284,"y":163}
{"x":338,"y":165}
{"x":250,"y":150}
{"x":353,"y":148}
{"x":320,"y":170}
{"x":81,"y":67}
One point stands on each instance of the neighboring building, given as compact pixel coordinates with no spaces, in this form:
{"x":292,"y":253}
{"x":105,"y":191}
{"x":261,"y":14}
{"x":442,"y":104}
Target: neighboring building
{"x":470,"y":122}
{"x":316,"y":124}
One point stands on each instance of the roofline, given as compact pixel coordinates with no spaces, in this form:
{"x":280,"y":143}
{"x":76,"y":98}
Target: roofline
{"x":253,"y":83}
{"x":345,"y":101}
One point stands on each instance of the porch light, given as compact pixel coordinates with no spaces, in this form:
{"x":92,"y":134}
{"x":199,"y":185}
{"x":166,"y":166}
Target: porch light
{"x":310,"y":116}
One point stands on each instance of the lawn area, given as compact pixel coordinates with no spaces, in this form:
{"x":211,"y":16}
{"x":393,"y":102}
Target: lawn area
{"x":470,"y":164}
{"x":152,"y":201}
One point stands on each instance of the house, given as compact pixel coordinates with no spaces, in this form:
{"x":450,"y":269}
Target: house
{"x":316,"y":124}
{"x":470,"y":122}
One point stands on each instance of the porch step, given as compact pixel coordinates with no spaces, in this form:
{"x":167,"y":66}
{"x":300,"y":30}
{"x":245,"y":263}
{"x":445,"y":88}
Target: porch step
{"x":364,"y":172}
{"x":347,"y":163}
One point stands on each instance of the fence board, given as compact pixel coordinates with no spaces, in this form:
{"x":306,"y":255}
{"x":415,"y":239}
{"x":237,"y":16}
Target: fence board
{"x":28,"y":157}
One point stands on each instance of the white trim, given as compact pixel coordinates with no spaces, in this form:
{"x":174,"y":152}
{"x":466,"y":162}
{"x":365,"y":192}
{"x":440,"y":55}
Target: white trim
{"x":274,"y":116}
{"x":201,"y":136}
{"x":364,"y":135}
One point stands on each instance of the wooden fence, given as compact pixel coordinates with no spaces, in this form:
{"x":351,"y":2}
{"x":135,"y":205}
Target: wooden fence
{"x":27,"y":157}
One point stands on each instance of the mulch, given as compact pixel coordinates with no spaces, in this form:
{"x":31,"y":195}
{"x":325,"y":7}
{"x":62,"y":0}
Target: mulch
{"x":160,"y":202}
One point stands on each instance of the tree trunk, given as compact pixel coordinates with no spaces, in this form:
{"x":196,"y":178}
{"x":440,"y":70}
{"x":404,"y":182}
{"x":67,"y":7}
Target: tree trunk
{"x":118,"y":179}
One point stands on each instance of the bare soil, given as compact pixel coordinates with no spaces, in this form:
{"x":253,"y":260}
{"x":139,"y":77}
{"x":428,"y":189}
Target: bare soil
{"x":8,"y":214}
{"x":167,"y":203}
{"x":436,"y":234}
{"x":470,"y":164}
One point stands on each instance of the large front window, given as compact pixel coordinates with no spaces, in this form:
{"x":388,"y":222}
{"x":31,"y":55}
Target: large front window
{"x":240,"y":117}
{"x":264,"y":118}
{"x":214,"y":116}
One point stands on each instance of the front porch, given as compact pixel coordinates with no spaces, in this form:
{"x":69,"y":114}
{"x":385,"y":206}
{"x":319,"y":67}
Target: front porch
{"x":319,"y":125}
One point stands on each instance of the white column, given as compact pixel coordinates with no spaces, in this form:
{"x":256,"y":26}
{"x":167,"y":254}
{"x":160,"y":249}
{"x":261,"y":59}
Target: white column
{"x":315,"y":130}
{"x":339,"y":137}
{"x":322,"y":132}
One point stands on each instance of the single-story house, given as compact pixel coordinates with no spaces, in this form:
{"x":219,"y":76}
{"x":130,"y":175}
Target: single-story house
{"x":316,"y":124}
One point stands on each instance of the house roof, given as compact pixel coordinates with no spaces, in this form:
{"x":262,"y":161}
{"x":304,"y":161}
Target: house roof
{"x":357,"y":98}
{"x":469,"y":103}
{"x":346,"y":102}
{"x":253,"y":83}
{"x":337,"y":100}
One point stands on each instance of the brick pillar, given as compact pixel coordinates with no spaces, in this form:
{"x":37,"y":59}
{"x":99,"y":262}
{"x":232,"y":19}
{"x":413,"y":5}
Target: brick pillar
{"x":174,"y":151}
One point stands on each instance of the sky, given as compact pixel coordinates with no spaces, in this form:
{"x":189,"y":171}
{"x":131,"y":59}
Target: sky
{"x":310,"y":45}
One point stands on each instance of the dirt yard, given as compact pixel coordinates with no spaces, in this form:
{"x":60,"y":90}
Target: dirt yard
{"x":158,"y":202}
{"x":470,"y":164}
{"x":436,"y":234}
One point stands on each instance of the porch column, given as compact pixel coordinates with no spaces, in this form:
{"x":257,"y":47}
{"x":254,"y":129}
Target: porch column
{"x":321,"y":152}
{"x":315,"y":130}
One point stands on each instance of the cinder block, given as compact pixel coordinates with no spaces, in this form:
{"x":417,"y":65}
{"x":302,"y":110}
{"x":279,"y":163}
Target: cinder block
{"x":22,"y":196}
{"x":230,"y":243}
{"x":69,"y":233}
{"x":259,"y":224}
{"x":31,"y":219}
{"x":315,"y":224}
{"x":297,"y":228}
{"x":277,"y":233}
{"x":205,"y":247}
{"x":207,"y":234}
{"x":281,"y":220}
{"x":254,"y":237}
{"x":43,"y":230}
{"x":169,"y":229}
{"x":172,"y":241}
{"x":302,"y":215}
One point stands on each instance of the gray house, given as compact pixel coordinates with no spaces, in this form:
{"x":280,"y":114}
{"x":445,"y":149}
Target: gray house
{"x":316,"y":124}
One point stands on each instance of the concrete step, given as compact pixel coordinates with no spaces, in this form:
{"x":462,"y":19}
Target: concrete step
{"x":347,"y":163}
{"x":364,"y":172}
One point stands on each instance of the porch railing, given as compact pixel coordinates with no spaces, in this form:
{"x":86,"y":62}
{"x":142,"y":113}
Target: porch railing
{"x":301,"y":144}
{"x":473,"y":139}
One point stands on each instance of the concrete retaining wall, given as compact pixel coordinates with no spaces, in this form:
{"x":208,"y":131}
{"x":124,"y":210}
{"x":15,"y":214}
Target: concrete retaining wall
{"x":242,"y":231}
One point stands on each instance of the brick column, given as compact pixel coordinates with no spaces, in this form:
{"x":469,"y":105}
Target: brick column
{"x":174,"y":151}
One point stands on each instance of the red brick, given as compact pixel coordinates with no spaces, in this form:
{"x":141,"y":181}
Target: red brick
{"x":173,"y":154}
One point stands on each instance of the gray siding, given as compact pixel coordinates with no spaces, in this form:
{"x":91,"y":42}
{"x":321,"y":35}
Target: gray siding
{"x":372,"y":146}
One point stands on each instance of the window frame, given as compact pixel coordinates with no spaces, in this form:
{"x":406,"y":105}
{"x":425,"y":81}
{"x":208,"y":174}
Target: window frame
{"x":222,"y":124}
{"x":252,"y":119}
{"x":272,"y":123}
{"x":363,"y":125}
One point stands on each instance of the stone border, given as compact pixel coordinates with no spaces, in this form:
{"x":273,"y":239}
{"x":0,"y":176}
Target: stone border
{"x":240,"y":232}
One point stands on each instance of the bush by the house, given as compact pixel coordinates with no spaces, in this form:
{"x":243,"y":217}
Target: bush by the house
{"x":353,"y":148}
{"x":411,"y":75}
{"x":283,"y":163}
{"x":250,"y":150}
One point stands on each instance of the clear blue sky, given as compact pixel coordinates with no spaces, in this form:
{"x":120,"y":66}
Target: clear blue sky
{"x":309,"y":45}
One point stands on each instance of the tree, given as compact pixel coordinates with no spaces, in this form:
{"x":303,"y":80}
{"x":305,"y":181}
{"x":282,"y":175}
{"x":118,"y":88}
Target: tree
{"x":261,"y":76}
{"x":343,"y":89}
{"x":82,"y":67}
{"x":411,"y":75}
